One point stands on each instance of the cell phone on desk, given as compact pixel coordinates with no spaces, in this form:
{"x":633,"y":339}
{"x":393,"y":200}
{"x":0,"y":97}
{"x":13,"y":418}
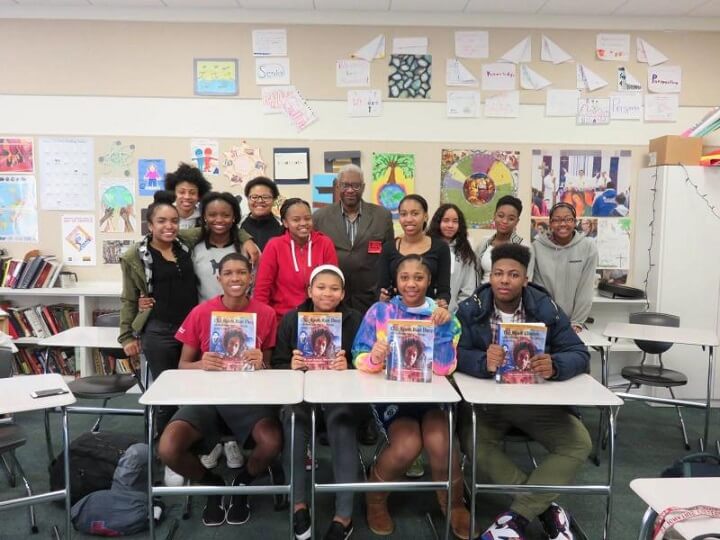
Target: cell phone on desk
{"x":49,"y":392}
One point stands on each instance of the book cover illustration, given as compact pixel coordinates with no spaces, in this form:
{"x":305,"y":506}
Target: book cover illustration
{"x":319,"y":338}
{"x":231,"y":334}
{"x":520,"y":341}
{"x":411,"y":350}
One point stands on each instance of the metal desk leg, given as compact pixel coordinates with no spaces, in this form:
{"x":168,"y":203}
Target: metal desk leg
{"x":611,"y":474}
{"x":291,"y":498}
{"x":473,"y":485}
{"x":448,"y":508}
{"x":646,"y":527}
{"x":151,"y":517}
{"x":705,"y":440}
{"x":66,"y":466}
{"x":604,"y":377}
{"x":312,"y":471}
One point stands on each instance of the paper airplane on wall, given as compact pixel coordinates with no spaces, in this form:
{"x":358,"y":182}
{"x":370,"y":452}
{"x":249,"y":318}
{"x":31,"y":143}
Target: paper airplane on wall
{"x":522,"y":52}
{"x":626,"y":82}
{"x":371,"y":50}
{"x":588,"y":79}
{"x":531,"y":80}
{"x":552,"y":52}
{"x":646,"y":53}
{"x":458,"y":75}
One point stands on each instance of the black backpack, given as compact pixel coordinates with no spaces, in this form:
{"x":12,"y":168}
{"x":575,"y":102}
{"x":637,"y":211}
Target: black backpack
{"x":93,"y":458}
{"x":700,"y":464}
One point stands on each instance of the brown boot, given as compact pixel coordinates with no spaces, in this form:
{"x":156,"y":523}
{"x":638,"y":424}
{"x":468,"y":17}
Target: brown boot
{"x":378,"y":517}
{"x":459,"y":515}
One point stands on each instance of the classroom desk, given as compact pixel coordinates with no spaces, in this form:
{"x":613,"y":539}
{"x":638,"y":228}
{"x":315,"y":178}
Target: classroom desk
{"x":354,"y":386}
{"x":14,"y":398}
{"x":661,"y":493}
{"x":197,"y":387}
{"x":680,"y":336}
{"x":581,"y":391}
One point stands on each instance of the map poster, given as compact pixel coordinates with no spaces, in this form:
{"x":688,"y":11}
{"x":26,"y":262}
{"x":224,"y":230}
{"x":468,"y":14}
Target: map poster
{"x":18,"y":209}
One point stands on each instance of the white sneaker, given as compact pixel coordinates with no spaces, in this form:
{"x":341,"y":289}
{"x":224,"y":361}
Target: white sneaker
{"x":210,"y":461}
{"x":233,"y":455}
{"x":173,"y":479}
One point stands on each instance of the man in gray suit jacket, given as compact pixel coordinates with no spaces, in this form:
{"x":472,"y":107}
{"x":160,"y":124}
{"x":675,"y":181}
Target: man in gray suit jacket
{"x":358,"y":229}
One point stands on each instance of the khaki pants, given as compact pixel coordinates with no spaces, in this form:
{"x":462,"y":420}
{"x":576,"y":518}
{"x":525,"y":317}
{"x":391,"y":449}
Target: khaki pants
{"x":559,"y":431}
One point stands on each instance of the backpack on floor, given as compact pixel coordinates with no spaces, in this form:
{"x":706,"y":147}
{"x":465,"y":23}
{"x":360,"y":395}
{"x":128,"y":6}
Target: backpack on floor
{"x":700,"y":464}
{"x":93,"y":459}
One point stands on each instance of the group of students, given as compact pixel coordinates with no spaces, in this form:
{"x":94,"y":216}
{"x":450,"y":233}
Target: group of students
{"x":200,"y":257}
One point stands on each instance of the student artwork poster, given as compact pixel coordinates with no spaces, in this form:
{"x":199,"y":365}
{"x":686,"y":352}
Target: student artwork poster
{"x":205,"y":155}
{"x":151,"y":176}
{"x":231,"y":334}
{"x":393,"y":178}
{"x":520,"y":341}
{"x":117,"y":206}
{"x":411,"y":351}
{"x":475,"y":180}
{"x":16,"y":155}
{"x":595,"y":182}
{"x":319,"y":338}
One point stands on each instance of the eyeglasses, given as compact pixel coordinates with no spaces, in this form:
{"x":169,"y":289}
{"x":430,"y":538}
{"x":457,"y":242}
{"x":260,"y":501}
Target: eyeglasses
{"x":263,"y":198}
{"x":355,"y":186}
{"x":558,"y":220}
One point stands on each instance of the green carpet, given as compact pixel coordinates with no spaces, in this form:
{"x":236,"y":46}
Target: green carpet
{"x":649,"y":440}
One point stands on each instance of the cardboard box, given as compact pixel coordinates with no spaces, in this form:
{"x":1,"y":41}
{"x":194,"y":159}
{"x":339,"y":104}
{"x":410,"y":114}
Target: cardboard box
{"x":674,"y":149}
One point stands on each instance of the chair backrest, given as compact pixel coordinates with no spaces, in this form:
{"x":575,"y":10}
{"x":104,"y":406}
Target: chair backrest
{"x":654,"y":319}
{"x":6,"y":362}
{"x":108,"y":320}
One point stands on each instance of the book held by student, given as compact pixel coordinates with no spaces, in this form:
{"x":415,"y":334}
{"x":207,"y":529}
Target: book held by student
{"x":319,"y":338}
{"x":231,"y":334}
{"x":411,"y":350}
{"x":520,"y":341}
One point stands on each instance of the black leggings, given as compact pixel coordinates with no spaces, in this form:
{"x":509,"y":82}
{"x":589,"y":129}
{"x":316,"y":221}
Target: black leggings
{"x":162,"y":351}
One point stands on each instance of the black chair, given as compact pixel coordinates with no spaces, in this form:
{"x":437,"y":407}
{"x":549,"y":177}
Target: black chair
{"x":656,"y":375}
{"x":13,"y":437}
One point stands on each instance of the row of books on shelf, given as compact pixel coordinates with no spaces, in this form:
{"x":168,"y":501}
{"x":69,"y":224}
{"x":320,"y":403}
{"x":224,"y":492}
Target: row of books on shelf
{"x":41,"y":321}
{"x":107,"y":364}
{"x":34,"y":271}
{"x":36,"y":361}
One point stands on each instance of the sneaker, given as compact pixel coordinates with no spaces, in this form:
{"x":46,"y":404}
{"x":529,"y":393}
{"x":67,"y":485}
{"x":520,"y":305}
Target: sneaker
{"x":213,"y":515}
{"x":173,"y":479}
{"x":556,"y":523}
{"x":233,"y":455}
{"x":417,"y":469}
{"x":210,"y":461}
{"x":239,"y":510}
{"x":507,"y":526}
{"x":308,"y":460}
{"x":338,"y":531}
{"x":301,"y":524}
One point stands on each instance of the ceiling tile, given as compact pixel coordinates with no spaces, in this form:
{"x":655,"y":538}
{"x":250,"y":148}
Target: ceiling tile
{"x":444,"y":6}
{"x":51,"y":2}
{"x":127,"y":3}
{"x":355,"y":5}
{"x":276,"y":4}
{"x":504,"y":6}
{"x":708,"y":9}
{"x":200,"y":4}
{"x":657,"y":8}
{"x":573,"y":7}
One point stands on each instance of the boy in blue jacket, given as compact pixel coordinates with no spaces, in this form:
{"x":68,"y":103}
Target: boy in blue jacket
{"x":510,"y":298}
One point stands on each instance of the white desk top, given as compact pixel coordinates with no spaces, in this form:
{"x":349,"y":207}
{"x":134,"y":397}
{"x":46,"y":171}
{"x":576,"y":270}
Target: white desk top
{"x":684,"y":336}
{"x":660,"y":493}
{"x":354,"y":386}
{"x":582,"y":390}
{"x":591,"y":339}
{"x":198,"y":387}
{"x":15,"y":393}
{"x":84,"y":336}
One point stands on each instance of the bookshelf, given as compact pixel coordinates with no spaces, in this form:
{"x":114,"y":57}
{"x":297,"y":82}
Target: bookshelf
{"x":88,"y":296}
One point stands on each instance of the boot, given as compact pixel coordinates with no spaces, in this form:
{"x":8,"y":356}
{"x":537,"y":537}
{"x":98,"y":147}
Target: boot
{"x":459,"y":515}
{"x":378,"y":517}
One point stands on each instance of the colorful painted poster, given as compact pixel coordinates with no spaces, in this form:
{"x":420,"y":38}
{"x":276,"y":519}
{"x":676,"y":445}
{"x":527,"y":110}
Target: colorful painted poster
{"x":117,"y":206}
{"x":323,"y":190}
{"x":117,"y":161}
{"x":216,"y":77}
{"x":410,"y":76}
{"x":151,"y":176}
{"x":393,"y":178}
{"x":112,"y":250}
{"x":206,"y":155}
{"x":242,"y":163}
{"x":18,"y":209}
{"x":16,"y":155}
{"x":595,"y":182}
{"x":79,"y":244}
{"x":474,"y":180}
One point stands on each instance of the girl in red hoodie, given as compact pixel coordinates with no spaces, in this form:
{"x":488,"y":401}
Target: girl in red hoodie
{"x":288,"y":260}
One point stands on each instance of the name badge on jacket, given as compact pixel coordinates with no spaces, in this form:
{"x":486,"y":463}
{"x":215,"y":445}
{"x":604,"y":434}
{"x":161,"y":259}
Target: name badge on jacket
{"x":374,"y":247}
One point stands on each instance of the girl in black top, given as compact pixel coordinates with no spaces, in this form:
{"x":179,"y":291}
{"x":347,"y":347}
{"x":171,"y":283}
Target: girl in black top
{"x":261,"y":194}
{"x":413,"y":210}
